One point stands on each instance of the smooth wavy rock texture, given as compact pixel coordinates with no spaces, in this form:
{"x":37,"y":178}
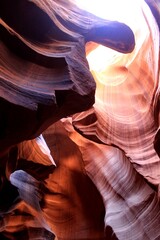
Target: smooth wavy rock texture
{"x":79,"y":121}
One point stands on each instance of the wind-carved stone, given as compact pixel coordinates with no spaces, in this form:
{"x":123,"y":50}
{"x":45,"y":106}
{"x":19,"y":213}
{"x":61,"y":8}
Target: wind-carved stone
{"x":97,"y":176}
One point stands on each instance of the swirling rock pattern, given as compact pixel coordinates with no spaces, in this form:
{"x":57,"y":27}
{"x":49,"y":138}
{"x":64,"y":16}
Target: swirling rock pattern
{"x":98,"y":175}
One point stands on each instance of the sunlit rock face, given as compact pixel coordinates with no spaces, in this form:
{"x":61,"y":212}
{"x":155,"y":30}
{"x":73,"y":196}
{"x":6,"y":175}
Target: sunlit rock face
{"x":90,"y":84}
{"x":125,"y":99}
{"x":50,"y":78}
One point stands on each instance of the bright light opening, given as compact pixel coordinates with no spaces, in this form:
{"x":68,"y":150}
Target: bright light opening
{"x":118,"y":10}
